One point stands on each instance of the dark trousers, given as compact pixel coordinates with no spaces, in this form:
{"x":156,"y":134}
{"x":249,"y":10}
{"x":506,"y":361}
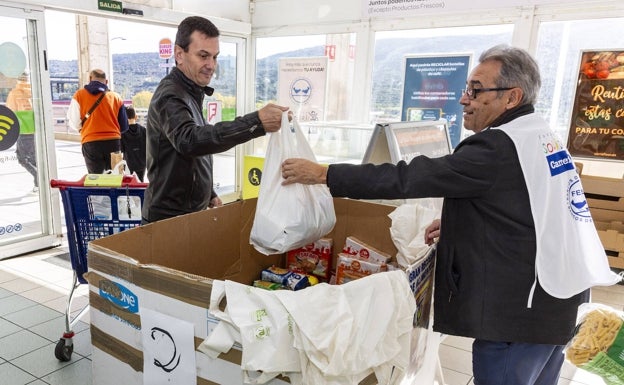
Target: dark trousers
{"x":502,"y":363}
{"x":27,"y":155}
{"x":97,"y":155}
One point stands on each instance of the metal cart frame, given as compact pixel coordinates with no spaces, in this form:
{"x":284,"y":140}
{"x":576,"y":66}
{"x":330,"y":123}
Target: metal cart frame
{"x":93,"y":212}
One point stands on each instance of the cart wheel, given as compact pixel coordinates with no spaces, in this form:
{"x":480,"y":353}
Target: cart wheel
{"x":63,"y":351}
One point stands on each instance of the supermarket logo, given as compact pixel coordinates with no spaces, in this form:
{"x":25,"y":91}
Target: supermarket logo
{"x":559,"y":163}
{"x":119,"y":296}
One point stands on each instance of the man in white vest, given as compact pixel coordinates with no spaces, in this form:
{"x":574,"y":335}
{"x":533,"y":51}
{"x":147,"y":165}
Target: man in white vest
{"x":517,"y":250}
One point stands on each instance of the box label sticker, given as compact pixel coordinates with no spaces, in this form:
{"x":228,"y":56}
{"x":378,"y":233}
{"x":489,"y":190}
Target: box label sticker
{"x":119,"y":295}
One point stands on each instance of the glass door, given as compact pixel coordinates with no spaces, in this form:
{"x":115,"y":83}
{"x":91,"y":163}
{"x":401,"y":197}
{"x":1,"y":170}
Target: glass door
{"x":25,"y":209}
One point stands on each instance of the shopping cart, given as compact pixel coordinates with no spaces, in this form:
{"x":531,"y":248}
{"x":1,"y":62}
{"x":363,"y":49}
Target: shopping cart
{"x":92,"y":212}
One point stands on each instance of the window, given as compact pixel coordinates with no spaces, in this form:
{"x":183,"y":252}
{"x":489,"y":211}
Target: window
{"x":329,"y":140}
{"x":558,"y":53}
{"x":391,"y":47}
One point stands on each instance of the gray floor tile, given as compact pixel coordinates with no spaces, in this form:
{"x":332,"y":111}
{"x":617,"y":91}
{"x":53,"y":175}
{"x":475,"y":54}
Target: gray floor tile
{"x":32,"y":316}
{"x":14,"y":303}
{"x":19,"y":285}
{"x":7,"y":328}
{"x":5,"y":293}
{"x":54,"y":328}
{"x":77,"y":373}
{"x":42,"y":294}
{"x":6,"y":276}
{"x":20,"y":343}
{"x":42,"y":361}
{"x":37,"y":382}
{"x":82,"y":343}
{"x":12,"y":375}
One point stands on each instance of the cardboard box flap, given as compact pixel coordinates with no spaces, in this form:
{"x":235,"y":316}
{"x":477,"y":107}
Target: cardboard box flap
{"x":214,"y":243}
{"x":364,"y":220}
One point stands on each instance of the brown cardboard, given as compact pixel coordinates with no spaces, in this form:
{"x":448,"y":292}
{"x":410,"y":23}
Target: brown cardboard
{"x":605,"y":197}
{"x":176,"y":260}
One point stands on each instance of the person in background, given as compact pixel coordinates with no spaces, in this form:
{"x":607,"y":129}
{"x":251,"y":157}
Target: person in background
{"x":133,"y":145}
{"x":180,"y":142}
{"x":20,"y":101}
{"x":100,"y":117}
{"x":496,"y":281}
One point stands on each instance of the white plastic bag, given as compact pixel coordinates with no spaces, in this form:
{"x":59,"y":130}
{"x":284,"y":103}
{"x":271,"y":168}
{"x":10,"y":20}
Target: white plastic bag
{"x":288,"y":217}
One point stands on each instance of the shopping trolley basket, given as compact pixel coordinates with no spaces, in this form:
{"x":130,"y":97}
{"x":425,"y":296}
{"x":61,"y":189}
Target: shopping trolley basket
{"x":93,"y":211}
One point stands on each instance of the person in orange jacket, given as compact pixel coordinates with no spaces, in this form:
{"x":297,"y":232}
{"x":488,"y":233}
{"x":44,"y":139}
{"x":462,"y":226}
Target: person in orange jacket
{"x":100,"y":123}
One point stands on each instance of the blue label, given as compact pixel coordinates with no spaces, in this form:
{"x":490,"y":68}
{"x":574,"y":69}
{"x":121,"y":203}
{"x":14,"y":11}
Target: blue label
{"x":119,"y":295}
{"x":559,"y":162}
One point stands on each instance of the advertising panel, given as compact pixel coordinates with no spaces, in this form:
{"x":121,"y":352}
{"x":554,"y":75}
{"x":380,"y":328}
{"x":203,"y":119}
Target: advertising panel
{"x":432,"y":88}
{"x":597,"y":121}
{"x":302,"y":84}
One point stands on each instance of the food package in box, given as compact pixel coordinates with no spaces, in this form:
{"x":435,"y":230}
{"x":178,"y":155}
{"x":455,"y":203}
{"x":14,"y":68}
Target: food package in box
{"x":349,"y":268}
{"x":314,"y":258}
{"x":361,"y":250}
{"x":598,"y":342}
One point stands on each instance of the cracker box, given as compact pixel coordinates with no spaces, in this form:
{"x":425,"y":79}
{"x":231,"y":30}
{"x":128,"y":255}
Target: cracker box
{"x":354,"y":246}
{"x":315,"y":259}
{"x":349,"y":267}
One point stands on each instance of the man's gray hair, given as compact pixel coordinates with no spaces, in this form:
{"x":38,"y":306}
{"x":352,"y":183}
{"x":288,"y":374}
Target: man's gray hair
{"x":518,"y":69}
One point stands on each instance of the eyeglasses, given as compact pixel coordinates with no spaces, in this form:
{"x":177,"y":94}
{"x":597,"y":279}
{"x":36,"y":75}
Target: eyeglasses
{"x":474,"y":92}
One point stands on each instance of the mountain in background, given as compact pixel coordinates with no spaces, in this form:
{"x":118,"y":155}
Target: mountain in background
{"x":142,"y":71}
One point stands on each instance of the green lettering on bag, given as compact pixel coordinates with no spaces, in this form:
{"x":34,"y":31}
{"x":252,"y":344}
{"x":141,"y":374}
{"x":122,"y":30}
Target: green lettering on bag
{"x":610,"y":366}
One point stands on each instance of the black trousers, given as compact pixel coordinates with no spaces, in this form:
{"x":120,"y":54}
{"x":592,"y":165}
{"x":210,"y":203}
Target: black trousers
{"x":97,"y":155}
{"x":27,"y":155}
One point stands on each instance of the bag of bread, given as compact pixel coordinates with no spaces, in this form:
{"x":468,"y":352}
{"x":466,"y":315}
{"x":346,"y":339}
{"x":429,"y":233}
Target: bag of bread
{"x":598,"y":343}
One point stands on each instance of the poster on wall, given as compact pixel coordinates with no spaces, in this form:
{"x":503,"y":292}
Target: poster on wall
{"x":432,"y":87}
{"x":301,"y":86}
{"x":597,"y":122}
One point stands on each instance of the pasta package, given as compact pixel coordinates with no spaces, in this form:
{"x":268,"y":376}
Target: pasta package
{"x":598,"y":344}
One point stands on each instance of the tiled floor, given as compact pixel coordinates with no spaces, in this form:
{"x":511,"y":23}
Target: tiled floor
{"x":33,"y":294}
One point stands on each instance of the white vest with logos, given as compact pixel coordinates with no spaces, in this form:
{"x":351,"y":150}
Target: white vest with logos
{"x":570,"y":257}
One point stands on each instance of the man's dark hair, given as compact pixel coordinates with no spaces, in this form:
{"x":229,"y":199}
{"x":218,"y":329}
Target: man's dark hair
{"x":130,"y":112}
{"x":192,"y":24}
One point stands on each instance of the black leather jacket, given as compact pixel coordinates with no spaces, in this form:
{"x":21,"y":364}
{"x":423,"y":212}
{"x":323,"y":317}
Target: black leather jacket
{"x":180,"y":145}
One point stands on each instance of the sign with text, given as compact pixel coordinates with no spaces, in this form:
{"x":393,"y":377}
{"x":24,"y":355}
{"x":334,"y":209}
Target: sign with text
{"x":597,"y":122}
{"x":110,"y":5}
{"x":404,"y":8}
{"x":302,"y":83}
{"x":432,"y":87}
{"x":213,"y":110}
{"x":165,"y":48}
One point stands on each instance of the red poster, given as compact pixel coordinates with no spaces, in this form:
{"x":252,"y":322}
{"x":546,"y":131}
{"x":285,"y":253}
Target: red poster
{"x":597,"y":124}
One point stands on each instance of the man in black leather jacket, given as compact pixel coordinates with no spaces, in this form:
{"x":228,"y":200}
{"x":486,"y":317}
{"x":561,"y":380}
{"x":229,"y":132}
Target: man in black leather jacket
{"x":180,"y":143}
{"x":486,"y":275}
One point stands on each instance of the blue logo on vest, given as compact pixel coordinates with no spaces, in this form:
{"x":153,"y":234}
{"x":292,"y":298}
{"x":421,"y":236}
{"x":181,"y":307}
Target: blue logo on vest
{"x":559,"y":162}
{"x":119,"y":295}
{"x":577,"y":202}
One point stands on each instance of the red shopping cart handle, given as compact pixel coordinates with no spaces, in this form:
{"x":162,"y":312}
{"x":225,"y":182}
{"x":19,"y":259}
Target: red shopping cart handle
{"x":127,"y":181}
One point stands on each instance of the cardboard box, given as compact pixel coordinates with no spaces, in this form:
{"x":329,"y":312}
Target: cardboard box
{"x":167,"y":267}
{"x":605,"y":197}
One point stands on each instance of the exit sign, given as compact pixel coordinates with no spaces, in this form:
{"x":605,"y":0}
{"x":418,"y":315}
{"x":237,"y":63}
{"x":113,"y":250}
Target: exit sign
{"x":110,"y":5}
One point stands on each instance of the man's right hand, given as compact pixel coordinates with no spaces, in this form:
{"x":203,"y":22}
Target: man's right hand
{"x":432,"y":232}
{"x":271,"y":117}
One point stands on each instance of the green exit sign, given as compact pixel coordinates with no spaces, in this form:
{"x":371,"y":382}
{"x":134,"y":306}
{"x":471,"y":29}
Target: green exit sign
{"x":110,"y":5}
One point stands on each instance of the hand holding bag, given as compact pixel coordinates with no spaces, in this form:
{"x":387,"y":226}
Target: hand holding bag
{"x":292,"y":216}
